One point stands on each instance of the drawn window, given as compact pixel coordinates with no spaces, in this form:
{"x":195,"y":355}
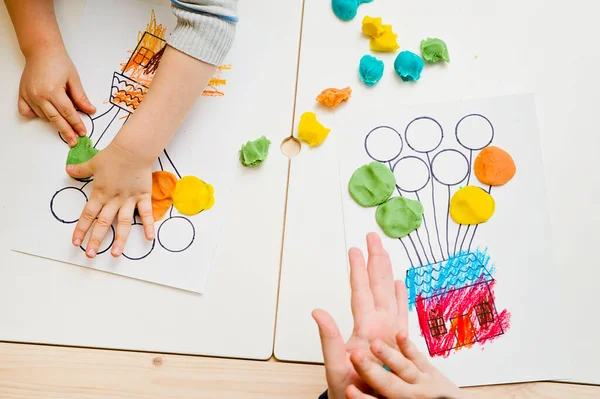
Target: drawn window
{"x":437,"y":326}
{"x":484,"y":313}
{"x":143,"y":57}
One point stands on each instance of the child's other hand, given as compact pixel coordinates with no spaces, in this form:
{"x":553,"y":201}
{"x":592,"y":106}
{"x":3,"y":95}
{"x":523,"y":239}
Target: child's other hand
{"x":122,"y":182}
{"x":380,"y":311}
{"x":411,"y":375}
{"x":51,"y":89}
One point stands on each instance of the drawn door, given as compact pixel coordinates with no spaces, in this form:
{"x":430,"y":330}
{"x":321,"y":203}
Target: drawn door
{"x":462,"y":328}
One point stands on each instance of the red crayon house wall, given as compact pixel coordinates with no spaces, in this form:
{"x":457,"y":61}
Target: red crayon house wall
{"x":459,"y":318}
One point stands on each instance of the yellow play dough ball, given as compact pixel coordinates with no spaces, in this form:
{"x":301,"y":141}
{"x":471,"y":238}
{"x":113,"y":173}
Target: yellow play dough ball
{"x":193,"y":196}
{"x":471,"y":205}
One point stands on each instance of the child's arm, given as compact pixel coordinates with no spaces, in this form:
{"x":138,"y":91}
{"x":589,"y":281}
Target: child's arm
{"x":50,"y":87}
{"x":122,"y":171}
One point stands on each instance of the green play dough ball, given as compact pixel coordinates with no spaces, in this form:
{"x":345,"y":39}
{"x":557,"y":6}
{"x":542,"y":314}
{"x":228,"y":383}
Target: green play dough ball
{"x":82,"y":152}
{"x":434,"y":49}
{"x":372,"y":184}
{"x":253,"y":153}
{"x":399,"y":216}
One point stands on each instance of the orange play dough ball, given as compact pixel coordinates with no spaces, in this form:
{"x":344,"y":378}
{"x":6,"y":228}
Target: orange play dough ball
{"x":160,"y":208}
{"x":163,"y":185}
{"x":494,"y":166}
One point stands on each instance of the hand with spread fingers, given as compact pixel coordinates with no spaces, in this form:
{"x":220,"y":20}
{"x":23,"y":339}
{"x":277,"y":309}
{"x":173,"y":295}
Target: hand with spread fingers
{"x":355,"y":369}
{"x":379,"y":308}
{"x":122,"y":182}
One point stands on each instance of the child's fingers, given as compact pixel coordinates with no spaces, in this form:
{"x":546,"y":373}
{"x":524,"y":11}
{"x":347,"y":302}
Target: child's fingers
{"x":332,"y":343}
{"x":402,"y":304}
{"x":124,"y":222}
{"x":352,"y":392}
{"x":34,"y":107}
{"x":88,"y":215}
{"x":378,"y":378}
{"x":59,"y":123}
{"x":80,"y":171}
{"x":77,"y":94}
{"x":105,"y":219}
{"x":381,"y":278}
{"x":362,"y":299}
{"x":395,"y":361}
{"x":24,"y":108}
{"x":144,"y":207}
{"x":67,"y":110}
{"x":410,"y":351}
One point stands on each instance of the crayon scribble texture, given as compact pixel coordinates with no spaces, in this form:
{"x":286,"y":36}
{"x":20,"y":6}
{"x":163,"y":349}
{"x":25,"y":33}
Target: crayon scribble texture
{"x":455,"y":302}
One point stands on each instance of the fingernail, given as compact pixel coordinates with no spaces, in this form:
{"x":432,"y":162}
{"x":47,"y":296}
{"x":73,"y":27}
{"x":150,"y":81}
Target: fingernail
{"x":82,"y":132}
{"x":91,"y":253}
{"x":77,"y":242}
{"x":117,"y":251}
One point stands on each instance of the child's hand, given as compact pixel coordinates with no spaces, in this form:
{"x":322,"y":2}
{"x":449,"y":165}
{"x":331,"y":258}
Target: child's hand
{"x":51,"y":89}
{"x":380,"y":311}
{"x":122,"y":181}
{"x":411,"y":375}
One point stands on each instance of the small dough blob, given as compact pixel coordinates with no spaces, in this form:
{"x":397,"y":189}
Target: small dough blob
{"x":408,"y":66}
{"x":310,"y":130}
{"x":163,"y":187}
{"x":371,"y":26}
{"x":193,"y":196}
{"x":346,"y":9}
{"x":253,"y":153}
{"x":434,"y":49}
{"x":399,"y":216}
{"x":160,"y":208}
{"x":333,"y":97}
{"x":471,"y":205}
{"x":372,"y":184}
{"x":370,"y":70}
{"x":82,"y":152}
{"x":494,"y":166}
{"x":386,"y":42}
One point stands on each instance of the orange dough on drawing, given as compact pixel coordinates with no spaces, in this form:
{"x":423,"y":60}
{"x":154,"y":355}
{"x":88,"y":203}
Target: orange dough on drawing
{"x":160,"y":208}
{"x":163,"y":186}
{"x":494,"y":166}
{"x":333,"y":97}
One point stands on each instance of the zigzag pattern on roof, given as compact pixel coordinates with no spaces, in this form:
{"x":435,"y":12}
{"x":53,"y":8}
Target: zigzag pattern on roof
{"x":459,"y":271}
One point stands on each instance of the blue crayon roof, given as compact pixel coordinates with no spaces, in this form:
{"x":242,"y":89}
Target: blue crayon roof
{"x":461,"y":270}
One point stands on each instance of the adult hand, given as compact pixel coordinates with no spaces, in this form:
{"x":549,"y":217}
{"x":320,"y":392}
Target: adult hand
{"x":122,"y":182}
{"x":379,"y":309}
{"x":51,"y":89}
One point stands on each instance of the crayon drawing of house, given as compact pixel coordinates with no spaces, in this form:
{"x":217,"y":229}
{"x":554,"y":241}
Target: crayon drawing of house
{"x":455,"y":303}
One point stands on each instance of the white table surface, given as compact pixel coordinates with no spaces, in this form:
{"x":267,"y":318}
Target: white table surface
{"x":496,"y":48}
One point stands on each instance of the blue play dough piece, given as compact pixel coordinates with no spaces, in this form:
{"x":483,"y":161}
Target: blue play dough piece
{"x":370,"y":70}
{"x":408,"y":66}
{"x":346,"y":9}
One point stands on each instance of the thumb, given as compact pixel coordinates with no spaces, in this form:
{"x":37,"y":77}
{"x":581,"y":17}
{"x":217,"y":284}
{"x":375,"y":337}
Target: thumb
{"x":80,"y":171}
{"x":77,"y":94}
{"x":332,"y":343}
{"x":24,"y":108}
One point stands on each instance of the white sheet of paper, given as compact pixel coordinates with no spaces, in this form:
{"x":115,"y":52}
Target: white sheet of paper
{"x":205,"y":146}
{"x":516,"y":238}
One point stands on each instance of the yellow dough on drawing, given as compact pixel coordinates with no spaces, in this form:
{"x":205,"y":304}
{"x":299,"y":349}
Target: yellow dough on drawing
{"x":471,"y":205}
{"x":310,"y":129}
{"x":193,"y":196}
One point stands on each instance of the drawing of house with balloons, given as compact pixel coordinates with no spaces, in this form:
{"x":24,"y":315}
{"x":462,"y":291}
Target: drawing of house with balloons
{"x":450,"y":283}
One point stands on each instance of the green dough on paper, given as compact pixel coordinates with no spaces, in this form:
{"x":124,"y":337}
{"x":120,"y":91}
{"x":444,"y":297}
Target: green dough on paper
{"x":399,"y":216}
{"x":372,"y":184}
{"x":82,"y":152}
{"x":434,"y":49}
{"x":253,"y":153}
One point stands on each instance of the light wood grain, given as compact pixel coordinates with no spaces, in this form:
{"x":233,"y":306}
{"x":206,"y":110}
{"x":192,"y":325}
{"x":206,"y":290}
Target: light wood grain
{"x":50,"y":372}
